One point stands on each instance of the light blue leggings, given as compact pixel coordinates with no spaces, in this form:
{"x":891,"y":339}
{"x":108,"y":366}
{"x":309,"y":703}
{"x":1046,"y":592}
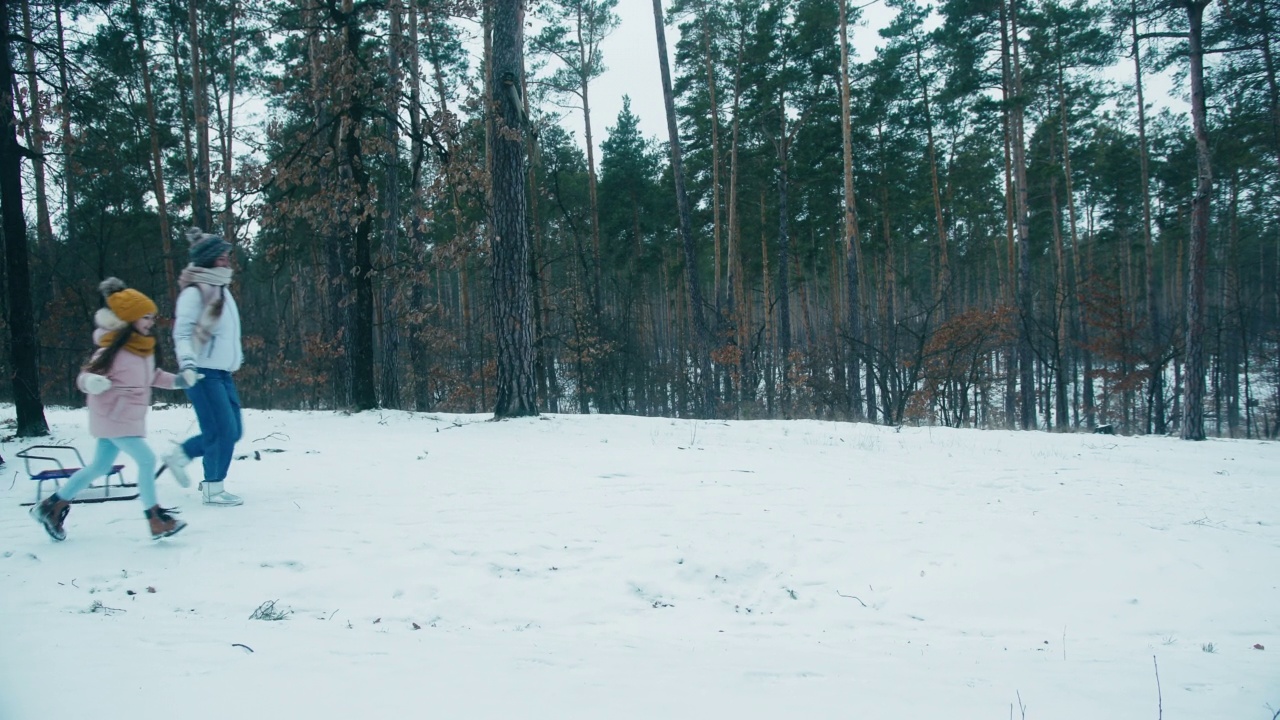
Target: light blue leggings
{"x":104,"y":456}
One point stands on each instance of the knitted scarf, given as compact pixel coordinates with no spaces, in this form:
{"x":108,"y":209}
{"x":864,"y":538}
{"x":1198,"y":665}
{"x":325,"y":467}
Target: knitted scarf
{"x":211,"y":282}
{"x":138,"y":344}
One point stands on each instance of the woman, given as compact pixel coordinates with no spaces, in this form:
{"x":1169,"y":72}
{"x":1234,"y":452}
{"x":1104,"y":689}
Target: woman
{"x":206,"y":338}
{"x":118,"y":380}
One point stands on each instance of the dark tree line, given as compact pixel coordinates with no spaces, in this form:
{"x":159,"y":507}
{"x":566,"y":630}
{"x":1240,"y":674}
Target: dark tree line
{"x":983,"y":222}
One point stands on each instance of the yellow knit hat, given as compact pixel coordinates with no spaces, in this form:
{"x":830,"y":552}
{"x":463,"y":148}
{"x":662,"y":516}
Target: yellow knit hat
{"x":129,"y":305}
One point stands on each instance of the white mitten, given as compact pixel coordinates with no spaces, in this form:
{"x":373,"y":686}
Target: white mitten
{"x":95,"y":384}
{"x":187,"y":378}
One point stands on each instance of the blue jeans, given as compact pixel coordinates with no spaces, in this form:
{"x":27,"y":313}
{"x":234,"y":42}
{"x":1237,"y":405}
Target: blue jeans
{"x":217,"y":408}
{"x":104,"y":456}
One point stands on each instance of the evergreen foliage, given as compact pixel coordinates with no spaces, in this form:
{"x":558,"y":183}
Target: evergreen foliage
{"x":350,"y":153}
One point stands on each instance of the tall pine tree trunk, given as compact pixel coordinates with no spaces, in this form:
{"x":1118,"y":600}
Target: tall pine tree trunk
{"x":1198,"y":252}
{"x":69,"y":186}
{"x":417,"y":147}
{"x":1060,"y":418}
{"x":1071,"y":276}
{"x":417,"y":392}
{"x":1273,"y":94}
{"x":592,"y":185}
{"x":337,"y":314}
{"x":1010,"y":213}
{"x":513,"y":319}
{"x":941,"y":288}
{"x":179,"y":81}
{"x":228,"y":138}
{"x":784,"y":262}
{"x":389,"y":328}
{"x":44,"y":228}
{"x":1025,"y":358}
{"x":23,"y":339}
{"x":709,"y":63}
{"x":1233,"y":331}
{"x":543,"y":360}
{"x":201,"y":200}
{"x":156,"y":159}
{"x":851,"y":236}
{"x":736,"y":302}
{"x":701,"y":334}
{"x":1155,"y":351}
{"x":356,"y":195}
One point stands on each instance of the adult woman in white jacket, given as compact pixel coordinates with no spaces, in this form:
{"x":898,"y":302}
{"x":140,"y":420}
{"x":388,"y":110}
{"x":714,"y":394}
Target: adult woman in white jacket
{"x":206,"y":338}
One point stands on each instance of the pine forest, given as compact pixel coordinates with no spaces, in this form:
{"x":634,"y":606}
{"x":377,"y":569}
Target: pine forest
{"x":984,"y":219}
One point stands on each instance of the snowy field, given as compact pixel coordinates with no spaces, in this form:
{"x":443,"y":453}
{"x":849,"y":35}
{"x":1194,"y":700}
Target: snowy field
{"x":445,"y":566}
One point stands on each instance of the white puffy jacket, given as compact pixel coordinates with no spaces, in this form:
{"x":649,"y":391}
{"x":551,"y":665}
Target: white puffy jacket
{"x":223,"y":351}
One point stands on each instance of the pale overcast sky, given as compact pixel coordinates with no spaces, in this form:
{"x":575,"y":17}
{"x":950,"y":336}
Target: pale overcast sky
{"x":631,"y":55}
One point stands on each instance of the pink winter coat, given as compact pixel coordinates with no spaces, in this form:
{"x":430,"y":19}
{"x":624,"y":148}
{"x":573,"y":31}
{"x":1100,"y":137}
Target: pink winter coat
{"x":122,"y":410}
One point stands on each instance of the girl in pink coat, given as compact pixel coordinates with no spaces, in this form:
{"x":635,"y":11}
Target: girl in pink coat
{"x":118,"y":379}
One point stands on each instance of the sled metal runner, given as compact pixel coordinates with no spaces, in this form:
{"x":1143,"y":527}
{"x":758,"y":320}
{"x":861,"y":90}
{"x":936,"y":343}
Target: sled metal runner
{"x":51,"y":463}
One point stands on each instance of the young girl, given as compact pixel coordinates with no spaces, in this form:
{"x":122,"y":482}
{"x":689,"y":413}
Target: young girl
{"x":118,"y":380}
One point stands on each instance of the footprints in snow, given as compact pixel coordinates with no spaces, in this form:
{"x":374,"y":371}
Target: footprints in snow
{"x":286,"y":564}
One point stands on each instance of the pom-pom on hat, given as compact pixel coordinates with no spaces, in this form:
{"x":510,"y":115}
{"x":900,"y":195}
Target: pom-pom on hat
{"x":205,"y":247}
{"x":128,"y":304}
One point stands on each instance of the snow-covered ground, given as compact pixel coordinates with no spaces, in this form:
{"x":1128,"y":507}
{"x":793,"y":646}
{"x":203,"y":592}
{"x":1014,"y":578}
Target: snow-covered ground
{"x":446,"y":566}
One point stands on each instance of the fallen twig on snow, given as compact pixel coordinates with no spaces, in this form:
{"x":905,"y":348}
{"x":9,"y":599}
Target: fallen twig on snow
{"x":267,"y":611}
{"x":274,"y":435}
{"x":854,"y":597}
{"x":1159,"y":695}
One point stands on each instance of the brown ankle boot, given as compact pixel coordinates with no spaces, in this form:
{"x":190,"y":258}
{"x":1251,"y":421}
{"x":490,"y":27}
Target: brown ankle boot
{"x":50,"y":514}
{"x":163,"y":524}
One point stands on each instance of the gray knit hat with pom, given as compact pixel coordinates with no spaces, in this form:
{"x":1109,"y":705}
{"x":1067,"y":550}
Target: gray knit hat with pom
{"x":206,"y":248}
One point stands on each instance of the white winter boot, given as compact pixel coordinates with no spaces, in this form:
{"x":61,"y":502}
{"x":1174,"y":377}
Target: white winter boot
{"x":215,"y":495}
{"x":177,"y":462}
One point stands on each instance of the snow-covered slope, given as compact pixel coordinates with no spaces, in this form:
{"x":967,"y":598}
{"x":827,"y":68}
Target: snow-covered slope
{"x":446,"y":566}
